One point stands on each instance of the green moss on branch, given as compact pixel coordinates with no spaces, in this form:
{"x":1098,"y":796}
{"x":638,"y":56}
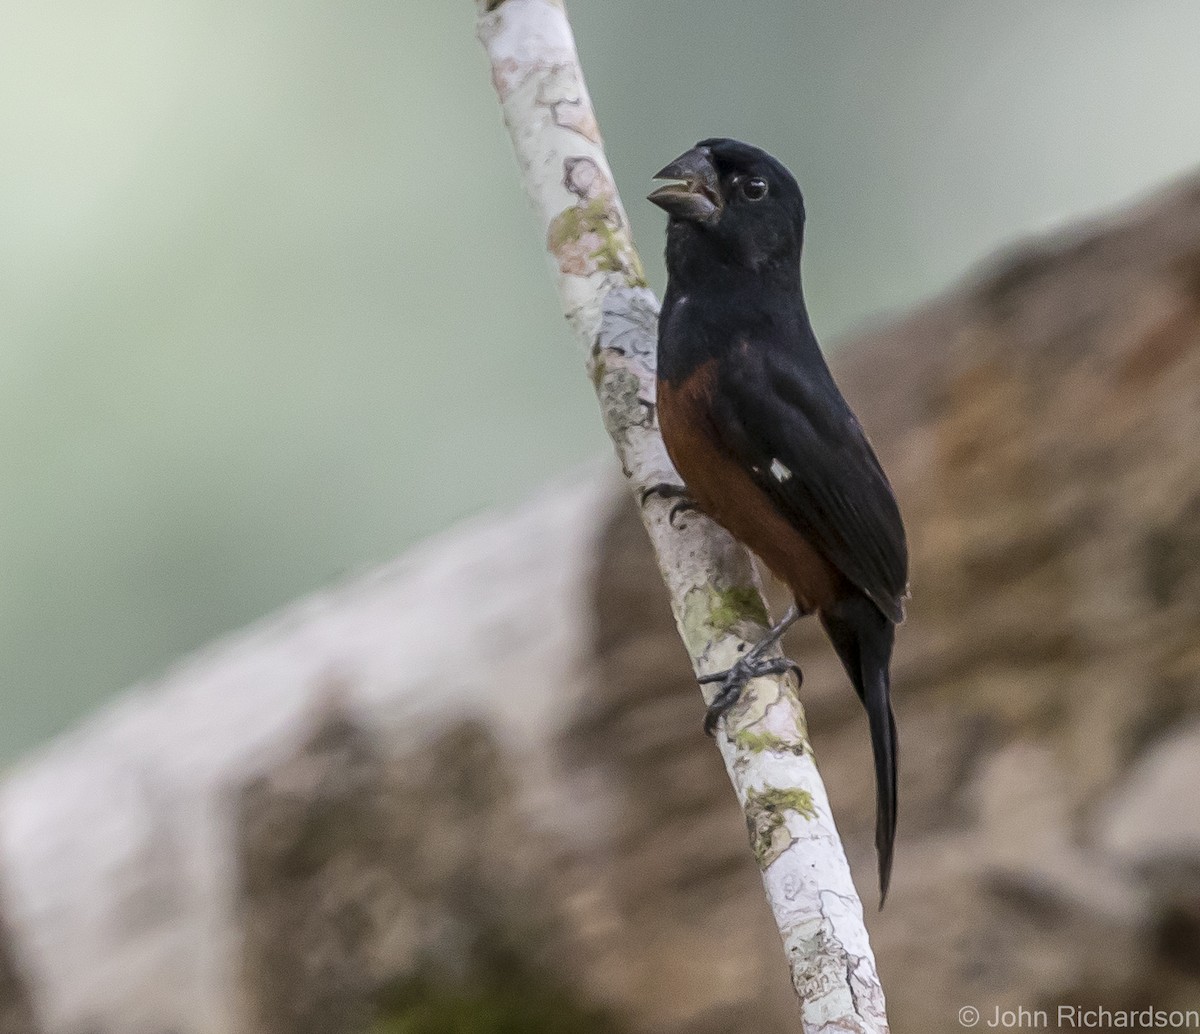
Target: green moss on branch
{"x":766,"y":820}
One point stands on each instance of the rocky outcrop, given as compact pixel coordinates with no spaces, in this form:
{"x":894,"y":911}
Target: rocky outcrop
{"x":335,"y":819}
{"x":16,"y":1012}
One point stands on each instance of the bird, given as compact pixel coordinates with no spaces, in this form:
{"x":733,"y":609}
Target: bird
{"x":763,"y":440}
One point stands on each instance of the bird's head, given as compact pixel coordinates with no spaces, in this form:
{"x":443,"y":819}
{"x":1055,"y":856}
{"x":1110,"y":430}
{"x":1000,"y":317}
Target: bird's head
{"x":733,"y":204}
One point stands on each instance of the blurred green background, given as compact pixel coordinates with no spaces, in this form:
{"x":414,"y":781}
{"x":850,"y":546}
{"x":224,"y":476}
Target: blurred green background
{"x":272,"y":306}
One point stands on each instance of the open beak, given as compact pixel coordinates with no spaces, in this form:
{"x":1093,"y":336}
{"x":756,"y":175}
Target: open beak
{"x":696,"y":192}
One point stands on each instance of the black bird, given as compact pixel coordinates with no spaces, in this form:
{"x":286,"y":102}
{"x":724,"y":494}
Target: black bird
{"x":765,"y":443}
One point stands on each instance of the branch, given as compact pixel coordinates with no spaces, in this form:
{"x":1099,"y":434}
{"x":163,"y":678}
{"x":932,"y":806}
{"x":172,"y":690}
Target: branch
{"x":716,"y":600}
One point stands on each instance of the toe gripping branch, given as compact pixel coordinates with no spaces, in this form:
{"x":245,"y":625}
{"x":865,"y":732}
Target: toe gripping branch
{"x":750,"y":666}
{"x":667,"y":490}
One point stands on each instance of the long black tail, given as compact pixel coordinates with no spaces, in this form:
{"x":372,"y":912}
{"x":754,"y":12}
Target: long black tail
{"x":863,"y":638}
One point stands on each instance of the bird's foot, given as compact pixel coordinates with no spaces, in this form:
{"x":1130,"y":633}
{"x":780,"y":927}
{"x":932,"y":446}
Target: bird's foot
{"x":668,"y":490}
{"x":734,"y":681}
{"x":750,"y":666}
{"x":664,"y":490}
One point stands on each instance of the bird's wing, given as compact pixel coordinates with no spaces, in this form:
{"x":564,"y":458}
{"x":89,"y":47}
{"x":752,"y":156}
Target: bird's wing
{"x":791,"y":428}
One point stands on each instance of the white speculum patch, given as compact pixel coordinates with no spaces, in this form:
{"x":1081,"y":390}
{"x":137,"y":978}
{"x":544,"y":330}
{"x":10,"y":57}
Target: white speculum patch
{"x":779,"y":472}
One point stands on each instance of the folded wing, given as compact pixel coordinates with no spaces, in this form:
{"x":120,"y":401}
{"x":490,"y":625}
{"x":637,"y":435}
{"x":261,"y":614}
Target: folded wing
{"x":807,"y":451}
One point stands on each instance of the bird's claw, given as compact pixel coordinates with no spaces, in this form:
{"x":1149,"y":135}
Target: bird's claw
{"x":664,"y":490}
{"x":734,"y":680}
{"x":667,"y":490}
{"x":683,"y":506}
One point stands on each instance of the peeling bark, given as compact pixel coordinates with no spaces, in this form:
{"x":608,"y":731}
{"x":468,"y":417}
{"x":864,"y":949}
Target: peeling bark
{"x":715,"y":598}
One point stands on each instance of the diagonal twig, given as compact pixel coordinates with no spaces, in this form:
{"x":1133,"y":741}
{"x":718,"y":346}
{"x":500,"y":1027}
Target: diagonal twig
{"x":716,"y":600}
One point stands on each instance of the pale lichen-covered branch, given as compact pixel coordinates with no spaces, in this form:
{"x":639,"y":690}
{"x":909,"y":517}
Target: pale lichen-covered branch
{"x":711,"y":580}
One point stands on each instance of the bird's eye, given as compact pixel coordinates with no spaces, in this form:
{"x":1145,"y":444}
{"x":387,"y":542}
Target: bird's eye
{"x":754,"y":188}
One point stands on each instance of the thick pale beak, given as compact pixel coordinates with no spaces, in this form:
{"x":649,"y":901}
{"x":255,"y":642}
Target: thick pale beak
{"x":697,"y":193}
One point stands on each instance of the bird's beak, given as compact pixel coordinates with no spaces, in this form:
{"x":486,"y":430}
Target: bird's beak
{"x":696,"y":194}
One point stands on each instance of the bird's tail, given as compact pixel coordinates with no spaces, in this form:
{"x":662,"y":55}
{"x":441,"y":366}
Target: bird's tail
{"x":863,"y":638}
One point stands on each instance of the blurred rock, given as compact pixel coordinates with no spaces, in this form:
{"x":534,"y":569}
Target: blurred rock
{"x":358,"y":871}
{"x":16,"y":1012}
{"x":484,"y":766}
